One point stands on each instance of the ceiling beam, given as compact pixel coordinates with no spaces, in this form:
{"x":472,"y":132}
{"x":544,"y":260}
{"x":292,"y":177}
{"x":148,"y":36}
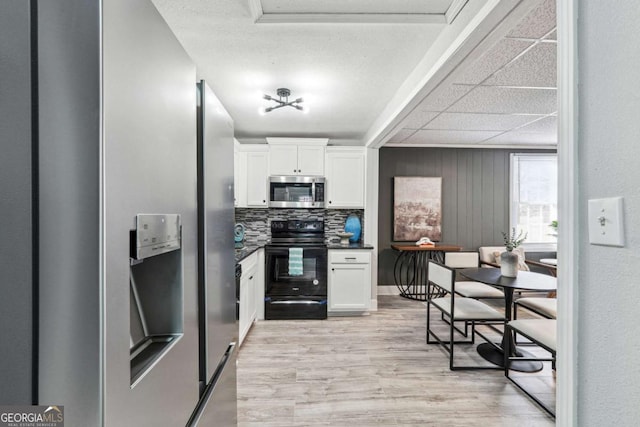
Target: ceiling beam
{"x":350,"y":18}
{"x":255,"y":7}
{"x":260,"y":17}
{"x":454,"y":9}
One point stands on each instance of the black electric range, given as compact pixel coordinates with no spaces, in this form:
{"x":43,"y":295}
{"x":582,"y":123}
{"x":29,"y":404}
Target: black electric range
{"x":296,"y":271}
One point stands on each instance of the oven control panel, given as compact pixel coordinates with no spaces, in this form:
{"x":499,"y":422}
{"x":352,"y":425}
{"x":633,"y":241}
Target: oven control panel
{"x":297,"y":226}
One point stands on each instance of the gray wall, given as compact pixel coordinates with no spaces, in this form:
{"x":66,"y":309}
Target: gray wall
{"x":15,"y":204}
{"x":608,"y":373}
{"x":475,"y":195}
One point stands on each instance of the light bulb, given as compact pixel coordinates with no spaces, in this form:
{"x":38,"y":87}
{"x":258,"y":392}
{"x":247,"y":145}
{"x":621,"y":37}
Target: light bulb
{"x":262,"y":111}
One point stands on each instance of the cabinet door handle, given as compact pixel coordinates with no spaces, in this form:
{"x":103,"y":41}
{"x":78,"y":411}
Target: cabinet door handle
{"x":353,"y":258}
{"x":251,"y":278}
{"x":333,"y":269}
{"x":329,"y":201}
{"x":264,"y":201}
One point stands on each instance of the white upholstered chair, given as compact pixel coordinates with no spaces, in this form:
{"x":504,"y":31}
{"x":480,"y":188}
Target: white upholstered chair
{"x":470,"y":289}
{"x":457,"y":309}
{"x":541,"y":332}
{"x":545,"y":307}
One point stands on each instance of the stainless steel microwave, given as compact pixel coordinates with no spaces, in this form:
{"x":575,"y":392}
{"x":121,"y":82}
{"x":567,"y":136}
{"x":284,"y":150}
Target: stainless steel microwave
{"x":296,"y":191}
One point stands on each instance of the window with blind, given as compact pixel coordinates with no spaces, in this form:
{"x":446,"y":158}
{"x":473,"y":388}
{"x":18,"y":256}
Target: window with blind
{"x":534,"y":198}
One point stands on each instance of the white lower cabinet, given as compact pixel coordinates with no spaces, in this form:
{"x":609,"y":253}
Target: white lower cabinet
{"x":349,"y":285}
{"x":250,"y":287}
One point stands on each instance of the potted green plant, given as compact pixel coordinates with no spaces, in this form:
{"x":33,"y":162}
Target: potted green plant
{"x":508,"y":259}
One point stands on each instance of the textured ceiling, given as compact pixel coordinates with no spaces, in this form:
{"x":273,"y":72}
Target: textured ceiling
{"x":353,"y":61}
{"x":505,"y":97}
{"x":346,"y":73}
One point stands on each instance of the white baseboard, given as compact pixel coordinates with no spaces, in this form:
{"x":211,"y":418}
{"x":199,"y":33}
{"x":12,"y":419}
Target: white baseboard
{"x":388,"y":290}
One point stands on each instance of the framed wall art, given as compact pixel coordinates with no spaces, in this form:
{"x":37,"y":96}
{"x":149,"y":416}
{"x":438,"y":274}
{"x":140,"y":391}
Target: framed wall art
{"x":417,"y":208}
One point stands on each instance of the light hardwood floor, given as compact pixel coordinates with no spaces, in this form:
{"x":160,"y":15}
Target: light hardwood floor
{"x":373,"y":370}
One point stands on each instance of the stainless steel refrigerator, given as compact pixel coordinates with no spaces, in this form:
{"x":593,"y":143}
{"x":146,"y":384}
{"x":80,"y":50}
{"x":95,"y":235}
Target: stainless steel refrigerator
{"x":102,"y":154}
{"x":218,"y":329}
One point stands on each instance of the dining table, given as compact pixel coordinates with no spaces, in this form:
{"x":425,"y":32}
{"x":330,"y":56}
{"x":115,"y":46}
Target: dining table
{"x":525,"y":281}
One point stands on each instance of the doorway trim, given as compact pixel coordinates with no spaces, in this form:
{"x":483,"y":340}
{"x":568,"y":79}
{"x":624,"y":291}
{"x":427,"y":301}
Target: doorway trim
{"x":568,"y":209}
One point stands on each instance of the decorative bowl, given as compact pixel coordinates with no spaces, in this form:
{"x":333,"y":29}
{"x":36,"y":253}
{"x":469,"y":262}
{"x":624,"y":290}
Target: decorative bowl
{"x":344,"y":237}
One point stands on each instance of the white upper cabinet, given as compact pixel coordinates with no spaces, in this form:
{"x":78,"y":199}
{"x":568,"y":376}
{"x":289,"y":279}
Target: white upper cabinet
{"x":237,"y":173}
{"x":283,"y":160}
{"x":252,"y":174}
{"x":296,"y":156}
{"x":345,"y":171}
{"x":257,"y":179}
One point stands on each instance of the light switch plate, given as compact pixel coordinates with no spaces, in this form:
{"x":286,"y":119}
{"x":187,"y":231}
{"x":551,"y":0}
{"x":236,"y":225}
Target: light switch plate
{"x":606,"y":226}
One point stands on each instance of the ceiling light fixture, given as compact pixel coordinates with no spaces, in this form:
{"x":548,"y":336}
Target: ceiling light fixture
{"x":283,"y":101}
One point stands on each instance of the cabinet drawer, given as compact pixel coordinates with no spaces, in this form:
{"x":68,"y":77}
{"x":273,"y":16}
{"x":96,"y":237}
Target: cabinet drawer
{"x":349,"y":257}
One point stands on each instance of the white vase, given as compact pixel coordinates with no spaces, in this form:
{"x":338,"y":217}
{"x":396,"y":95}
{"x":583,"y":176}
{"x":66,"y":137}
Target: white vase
{"x":509,"y":264}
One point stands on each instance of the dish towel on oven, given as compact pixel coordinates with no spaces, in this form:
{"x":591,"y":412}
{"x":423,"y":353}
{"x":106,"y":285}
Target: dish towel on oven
{"x":295,"y":262}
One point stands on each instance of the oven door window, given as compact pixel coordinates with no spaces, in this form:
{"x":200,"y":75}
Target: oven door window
{"x":313,"y":280}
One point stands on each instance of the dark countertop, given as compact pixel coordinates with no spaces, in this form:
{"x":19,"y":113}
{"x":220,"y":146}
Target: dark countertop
{"x":334,"y":245}
{"x":246,"y":251}
{"x":252,"y":247}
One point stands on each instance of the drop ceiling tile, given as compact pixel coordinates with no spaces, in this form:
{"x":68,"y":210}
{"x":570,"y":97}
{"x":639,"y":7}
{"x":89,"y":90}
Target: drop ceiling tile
{"x":536,"y":68}
{"x":523,"y":138}
{"x":489,"y":99}
{"x":539,"y":22}
{"x":547,"y":125}
{"x":449,"y":137}
{"x":443,"y":97}
{"x":494,"y":59}
{"x":401,"y":135}
{"x":417,"y":119}
{"x":475,"y":121}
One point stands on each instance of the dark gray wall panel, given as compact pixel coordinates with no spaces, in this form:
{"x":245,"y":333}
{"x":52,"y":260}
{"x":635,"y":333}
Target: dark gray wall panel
{"x":475,"y":195}
{"x":15,"y":204}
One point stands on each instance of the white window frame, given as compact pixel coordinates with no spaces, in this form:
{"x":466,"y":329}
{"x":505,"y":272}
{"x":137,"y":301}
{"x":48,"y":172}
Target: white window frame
{"x":514,"y":201}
